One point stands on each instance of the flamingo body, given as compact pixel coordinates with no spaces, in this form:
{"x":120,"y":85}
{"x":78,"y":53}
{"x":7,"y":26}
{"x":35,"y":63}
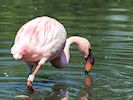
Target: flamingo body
{"x":42,"y":37}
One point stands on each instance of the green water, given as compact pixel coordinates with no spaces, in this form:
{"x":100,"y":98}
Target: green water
{"x":107,"y":24}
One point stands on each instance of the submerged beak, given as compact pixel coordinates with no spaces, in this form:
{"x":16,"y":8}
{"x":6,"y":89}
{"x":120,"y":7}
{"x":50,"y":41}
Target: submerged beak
{"x":88,"y":66}
{"x":89,"y":62}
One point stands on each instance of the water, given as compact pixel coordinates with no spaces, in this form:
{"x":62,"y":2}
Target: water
{"x":106,"y":24}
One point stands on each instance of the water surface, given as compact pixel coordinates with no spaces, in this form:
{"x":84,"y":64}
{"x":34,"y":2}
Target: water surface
{"x":106,"y":24}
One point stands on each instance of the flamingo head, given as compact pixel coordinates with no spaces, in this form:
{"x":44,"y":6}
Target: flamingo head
{"x":89,"y":62}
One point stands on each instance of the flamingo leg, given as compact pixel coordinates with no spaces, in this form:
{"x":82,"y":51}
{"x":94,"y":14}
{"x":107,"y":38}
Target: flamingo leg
{"x":31,"y":78}
{"x":30,"y":67}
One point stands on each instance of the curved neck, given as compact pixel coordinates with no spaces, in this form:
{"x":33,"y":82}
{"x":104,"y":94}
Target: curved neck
{"x":82,"y":44}
{"x":69,"y":41}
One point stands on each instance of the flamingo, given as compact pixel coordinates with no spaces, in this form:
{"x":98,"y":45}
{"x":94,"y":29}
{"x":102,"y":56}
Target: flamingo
{"x":43,"y":40}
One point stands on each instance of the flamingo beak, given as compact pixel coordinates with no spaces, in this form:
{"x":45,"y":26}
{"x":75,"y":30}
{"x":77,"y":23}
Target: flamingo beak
{"x":88,"y":67}
{"x":89,"y":62}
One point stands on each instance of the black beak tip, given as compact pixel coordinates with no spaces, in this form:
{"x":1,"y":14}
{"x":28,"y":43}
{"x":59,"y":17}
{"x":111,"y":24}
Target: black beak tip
{"x":86,"y":72}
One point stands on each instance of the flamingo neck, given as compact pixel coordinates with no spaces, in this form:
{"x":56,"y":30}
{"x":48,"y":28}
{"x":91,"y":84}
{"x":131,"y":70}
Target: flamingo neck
{"x":82,"y":44}
{"x":66,"y":49}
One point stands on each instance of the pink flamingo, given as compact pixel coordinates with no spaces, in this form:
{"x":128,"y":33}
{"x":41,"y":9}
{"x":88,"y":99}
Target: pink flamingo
{"x":44,"y":40}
